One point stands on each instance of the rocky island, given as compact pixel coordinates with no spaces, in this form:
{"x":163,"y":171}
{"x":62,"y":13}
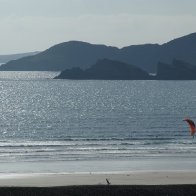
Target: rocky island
{"x":177,"y":70}
{"x":106,"y":69}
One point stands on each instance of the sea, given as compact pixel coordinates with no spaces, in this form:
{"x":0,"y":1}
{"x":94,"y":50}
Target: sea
{"x":62,"y":126}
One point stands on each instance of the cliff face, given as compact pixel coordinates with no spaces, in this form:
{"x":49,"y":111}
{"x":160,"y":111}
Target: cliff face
{"x":106,"y":70}
{"x":178,"y":70}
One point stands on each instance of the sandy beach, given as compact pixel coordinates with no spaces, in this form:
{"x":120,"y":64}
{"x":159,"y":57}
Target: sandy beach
{"x":115,"y":178}
{"x":144,"y":183}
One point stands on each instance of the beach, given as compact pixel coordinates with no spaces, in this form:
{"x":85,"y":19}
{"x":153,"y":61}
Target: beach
{"x":96,"y":137}
{"x":115,"y":178}
{"x":123,"y":183}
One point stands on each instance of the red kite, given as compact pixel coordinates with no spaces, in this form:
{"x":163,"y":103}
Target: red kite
{"x":191,"y":125}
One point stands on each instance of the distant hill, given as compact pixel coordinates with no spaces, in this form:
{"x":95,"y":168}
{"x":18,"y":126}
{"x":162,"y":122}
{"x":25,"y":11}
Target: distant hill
{"x":106,"y":70}
{"x":63,"y":56}
{"x":80,"y":54}
{"x":9,"y":57}
{"x":178,"y":70}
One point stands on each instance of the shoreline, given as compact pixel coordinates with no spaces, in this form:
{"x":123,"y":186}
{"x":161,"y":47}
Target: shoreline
{"x":100,"y":166}
{"x":98,"y":178}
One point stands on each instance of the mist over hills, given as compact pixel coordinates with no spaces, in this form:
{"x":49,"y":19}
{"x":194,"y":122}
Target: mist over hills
{"x":81,"y":54}
{"x":9,"y":57}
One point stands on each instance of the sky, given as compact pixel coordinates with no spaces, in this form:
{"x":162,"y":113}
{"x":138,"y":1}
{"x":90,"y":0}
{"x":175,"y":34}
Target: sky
{"x":35,"y":25}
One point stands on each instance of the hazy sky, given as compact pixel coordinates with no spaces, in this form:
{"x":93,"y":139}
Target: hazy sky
{"x":30,"y":25}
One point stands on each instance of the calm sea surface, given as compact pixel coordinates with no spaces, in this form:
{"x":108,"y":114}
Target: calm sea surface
{"x":68,"y":121}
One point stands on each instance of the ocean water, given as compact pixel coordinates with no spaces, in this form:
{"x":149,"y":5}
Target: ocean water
{"x":51,"y":125}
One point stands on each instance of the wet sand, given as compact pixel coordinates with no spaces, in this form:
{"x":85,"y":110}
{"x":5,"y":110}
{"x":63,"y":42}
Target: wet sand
{"x":121,"y":178}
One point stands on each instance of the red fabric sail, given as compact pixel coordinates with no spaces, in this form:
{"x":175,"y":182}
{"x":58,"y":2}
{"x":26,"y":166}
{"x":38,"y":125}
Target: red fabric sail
{"x":191,"y":125}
